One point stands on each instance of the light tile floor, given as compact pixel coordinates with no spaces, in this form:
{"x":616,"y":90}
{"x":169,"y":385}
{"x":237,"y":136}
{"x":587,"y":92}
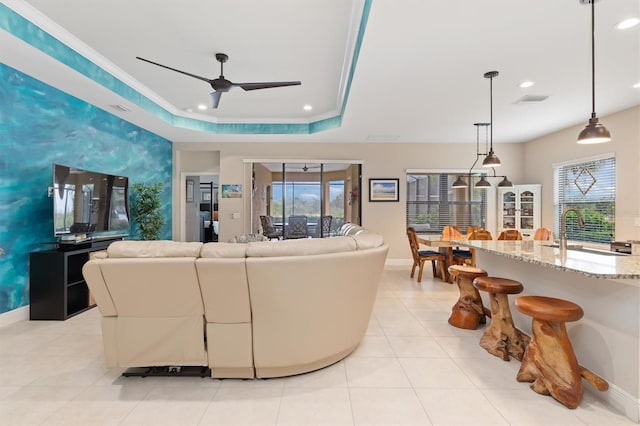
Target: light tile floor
{"x":412,"y":368}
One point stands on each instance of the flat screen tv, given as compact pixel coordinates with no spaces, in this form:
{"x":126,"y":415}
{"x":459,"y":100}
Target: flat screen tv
{"x":89,"y":204}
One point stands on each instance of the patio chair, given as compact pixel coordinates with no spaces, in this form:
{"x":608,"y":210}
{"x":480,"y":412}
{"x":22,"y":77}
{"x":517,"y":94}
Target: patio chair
{"x":296,"y":227}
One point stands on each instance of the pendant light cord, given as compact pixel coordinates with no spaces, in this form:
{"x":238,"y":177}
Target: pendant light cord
{"x":491,"y":112}
{"x":593,"y":60}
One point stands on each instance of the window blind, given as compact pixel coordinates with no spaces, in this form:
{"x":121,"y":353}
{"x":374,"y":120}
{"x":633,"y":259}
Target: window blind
{"x":432,"y":203}
{"x":590,"y":187}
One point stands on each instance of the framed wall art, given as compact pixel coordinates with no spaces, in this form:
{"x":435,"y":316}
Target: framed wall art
{"x":384,"y":190}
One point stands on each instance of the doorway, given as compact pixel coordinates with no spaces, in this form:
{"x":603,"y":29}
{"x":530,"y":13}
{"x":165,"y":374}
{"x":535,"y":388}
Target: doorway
{"x":201,"y":208}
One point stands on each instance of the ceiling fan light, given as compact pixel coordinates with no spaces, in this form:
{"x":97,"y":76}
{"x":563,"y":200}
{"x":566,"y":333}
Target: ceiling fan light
{"x":459,"y":183}
{"x":483,"y":183}
{"x":593,"y":133}
{"x":505,"y":183}
{"x":491,"y":160}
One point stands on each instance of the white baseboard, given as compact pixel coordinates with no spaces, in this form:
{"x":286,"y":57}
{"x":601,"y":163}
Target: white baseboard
{"x":398,"y":262}
{"x":619,"y":400}
{"x":13,"y":316}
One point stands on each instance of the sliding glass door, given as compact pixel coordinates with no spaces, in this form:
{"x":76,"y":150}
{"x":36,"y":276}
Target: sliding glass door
{"x":306,"y":200}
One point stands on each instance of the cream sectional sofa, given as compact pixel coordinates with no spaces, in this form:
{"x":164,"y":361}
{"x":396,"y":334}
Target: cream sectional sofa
{"x":262,"y":309}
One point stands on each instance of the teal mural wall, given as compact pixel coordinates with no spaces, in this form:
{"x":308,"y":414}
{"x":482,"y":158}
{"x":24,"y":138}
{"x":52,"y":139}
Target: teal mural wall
{"x":39,"y":126}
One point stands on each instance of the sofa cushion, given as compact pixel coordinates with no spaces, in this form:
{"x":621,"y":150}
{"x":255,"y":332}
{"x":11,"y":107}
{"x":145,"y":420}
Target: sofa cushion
{"x":154,"y":249}
{"x":368,"y":240}
{"x":223,"y":250}
{"x":301,"y":247}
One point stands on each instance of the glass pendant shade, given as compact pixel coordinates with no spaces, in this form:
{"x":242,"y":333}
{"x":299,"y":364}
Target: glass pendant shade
{"x":594,"y":132}
{"x":459,"y":183}
{"x":483,"y":183}
{"x":491,"y":160}
{"x":505,"y":183}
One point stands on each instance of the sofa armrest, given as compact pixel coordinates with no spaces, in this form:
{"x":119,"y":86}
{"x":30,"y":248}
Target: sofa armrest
{"x":98,"y":287}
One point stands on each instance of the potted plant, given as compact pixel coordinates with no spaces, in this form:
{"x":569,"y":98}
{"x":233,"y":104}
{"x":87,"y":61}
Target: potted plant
{"x":146,"y":209}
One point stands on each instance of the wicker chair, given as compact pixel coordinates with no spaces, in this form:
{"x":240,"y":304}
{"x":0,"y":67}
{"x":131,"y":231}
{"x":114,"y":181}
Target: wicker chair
{"x":296,"y":227}
{"x":268,"y":228}
{"x":323,"y":228}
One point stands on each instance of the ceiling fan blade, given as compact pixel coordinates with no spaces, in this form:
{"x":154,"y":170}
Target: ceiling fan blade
{"x":215,"y":99}
{"x":176,"y":70}
{"x":266,"y":85}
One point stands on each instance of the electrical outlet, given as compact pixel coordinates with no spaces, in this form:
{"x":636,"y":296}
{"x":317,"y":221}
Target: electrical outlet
{"x":235,"y":215}
{"x":50,"y":192}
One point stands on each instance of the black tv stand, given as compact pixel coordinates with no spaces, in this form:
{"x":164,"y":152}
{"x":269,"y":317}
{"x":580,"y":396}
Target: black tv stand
{"x":57,"y":288}
{"x":98,"y":243}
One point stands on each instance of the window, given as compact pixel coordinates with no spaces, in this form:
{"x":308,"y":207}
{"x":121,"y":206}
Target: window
{"x":302,"y":198}
{"x":432,"y":203}
{"x":336,"y":202}
{"x":590,"y":187}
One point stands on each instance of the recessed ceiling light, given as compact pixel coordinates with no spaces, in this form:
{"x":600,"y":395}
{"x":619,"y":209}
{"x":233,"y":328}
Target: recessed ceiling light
{"x":526,"y":84}
{"x":307,"y":107}
{"x":202,"y":107}
{"x":636,"y":86}
{"x":627,"y":23}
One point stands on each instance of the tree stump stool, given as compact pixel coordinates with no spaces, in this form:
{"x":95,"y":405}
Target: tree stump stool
{"x":549,"y":362}
{"x":502,"y":338}
{"x":468,"y":311}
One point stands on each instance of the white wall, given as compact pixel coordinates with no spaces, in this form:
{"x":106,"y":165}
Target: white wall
{"x":530,"y":162}
{"x":540,"y":154}
{"x":379,"y":160}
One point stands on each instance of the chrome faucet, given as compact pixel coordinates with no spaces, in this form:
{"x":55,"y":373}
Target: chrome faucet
{"x":563,"y":226}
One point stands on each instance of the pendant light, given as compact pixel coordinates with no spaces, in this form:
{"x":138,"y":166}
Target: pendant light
{"x":505,"y":183}
{"x":491,"y":160}
{"x":594,"y":132}
{"x":459,"y":183}
{"x":483,"y":183}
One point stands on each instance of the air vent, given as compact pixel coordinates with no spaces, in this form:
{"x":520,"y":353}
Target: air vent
{"x":531,"y":99}
{"x":382,"y":138}
{"x":120,"y":108}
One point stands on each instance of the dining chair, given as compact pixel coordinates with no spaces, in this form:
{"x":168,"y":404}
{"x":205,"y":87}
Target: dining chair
{"x":323,"y":227}
{"x":459,"y":256}
{"x":471,"y":230}
{"x":480,"y":234}
{"x":296,"y":227}
{"x":421,"y":256}
{"x":542,"y":234}
{"x":269,"y":230}
{"x":450,"y":232}
{"x":510,"y":234}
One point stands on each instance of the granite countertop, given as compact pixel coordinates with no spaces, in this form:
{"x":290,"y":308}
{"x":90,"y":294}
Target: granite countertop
{"x":595,"y":264}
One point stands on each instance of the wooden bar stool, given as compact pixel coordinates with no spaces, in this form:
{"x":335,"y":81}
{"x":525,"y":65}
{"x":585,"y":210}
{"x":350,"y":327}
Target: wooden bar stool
{"x":549,"y":361}
{"x":468,"y":311}
{"x":502,"y":338}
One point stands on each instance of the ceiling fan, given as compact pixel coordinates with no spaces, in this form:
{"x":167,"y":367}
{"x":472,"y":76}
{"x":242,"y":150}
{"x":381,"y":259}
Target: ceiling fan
{"x":221,"y":84}
{"x":306,"y":168}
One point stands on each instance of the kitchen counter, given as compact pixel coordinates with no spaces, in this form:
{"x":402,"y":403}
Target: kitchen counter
{"x":606,"y":339}
{"x":593,"y":263}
